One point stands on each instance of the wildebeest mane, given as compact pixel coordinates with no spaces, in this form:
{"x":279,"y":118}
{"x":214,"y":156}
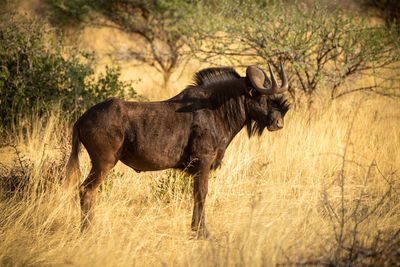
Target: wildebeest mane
{"x":223,"y":91}
{"x":214,"y":75}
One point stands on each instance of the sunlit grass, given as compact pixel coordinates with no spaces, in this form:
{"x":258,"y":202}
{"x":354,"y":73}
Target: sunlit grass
{"x":267,"y":204}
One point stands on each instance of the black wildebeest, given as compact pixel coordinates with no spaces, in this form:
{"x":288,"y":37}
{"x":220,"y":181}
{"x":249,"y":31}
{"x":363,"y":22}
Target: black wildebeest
{"x":190,"y":131}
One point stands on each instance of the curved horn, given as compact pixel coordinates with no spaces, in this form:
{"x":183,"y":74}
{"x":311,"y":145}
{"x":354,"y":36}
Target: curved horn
{"x":285,"y":84}
{"x":257,"y":77}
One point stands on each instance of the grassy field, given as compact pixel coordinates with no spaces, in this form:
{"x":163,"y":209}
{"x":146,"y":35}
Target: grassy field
{"x":325,"y":189}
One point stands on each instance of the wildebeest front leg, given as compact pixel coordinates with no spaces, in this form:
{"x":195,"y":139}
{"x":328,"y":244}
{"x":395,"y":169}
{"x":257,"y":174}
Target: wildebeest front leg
{"x":200,"y":192}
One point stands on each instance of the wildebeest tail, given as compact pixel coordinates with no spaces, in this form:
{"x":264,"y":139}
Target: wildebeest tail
{"x":72,"y":172}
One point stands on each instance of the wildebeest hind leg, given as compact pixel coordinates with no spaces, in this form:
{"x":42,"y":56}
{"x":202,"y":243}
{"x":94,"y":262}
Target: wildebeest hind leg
{"x":88,"y":191}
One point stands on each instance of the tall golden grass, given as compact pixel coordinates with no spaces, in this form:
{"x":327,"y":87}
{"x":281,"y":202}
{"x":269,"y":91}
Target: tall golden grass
{"x":326,"y":184}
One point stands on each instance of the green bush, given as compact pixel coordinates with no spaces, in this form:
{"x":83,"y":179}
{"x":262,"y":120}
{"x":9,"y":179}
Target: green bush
{"x":38,"y":72}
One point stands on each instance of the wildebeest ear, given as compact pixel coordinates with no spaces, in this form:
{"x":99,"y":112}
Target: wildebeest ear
{"x":251,"y":92}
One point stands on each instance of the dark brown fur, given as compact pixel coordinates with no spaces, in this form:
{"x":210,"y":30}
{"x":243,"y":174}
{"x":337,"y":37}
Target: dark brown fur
{"x":190,"y":132}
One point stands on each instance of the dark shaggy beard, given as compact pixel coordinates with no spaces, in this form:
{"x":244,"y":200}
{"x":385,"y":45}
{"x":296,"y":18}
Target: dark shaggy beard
{"x":254,"y":128}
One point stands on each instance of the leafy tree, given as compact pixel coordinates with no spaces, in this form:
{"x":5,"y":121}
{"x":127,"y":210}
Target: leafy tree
{"x":158,"y":22}
{"x":320,"y":47}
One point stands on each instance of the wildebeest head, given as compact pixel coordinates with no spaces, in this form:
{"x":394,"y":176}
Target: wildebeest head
{"x":264,"y":106}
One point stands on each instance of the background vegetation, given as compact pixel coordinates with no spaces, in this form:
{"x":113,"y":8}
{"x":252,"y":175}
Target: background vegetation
{"x":322,"y":55}
{"x":38,"y":73}
{"x":158,"y":24}
{"x":322,"y":191}
{"x":389,"y":10}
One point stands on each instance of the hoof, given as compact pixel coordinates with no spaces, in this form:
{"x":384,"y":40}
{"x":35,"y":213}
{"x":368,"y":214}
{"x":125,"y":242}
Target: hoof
{"x":201,"y":233}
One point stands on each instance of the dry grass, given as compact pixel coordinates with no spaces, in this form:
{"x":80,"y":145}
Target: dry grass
{"x":273,"y":201}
